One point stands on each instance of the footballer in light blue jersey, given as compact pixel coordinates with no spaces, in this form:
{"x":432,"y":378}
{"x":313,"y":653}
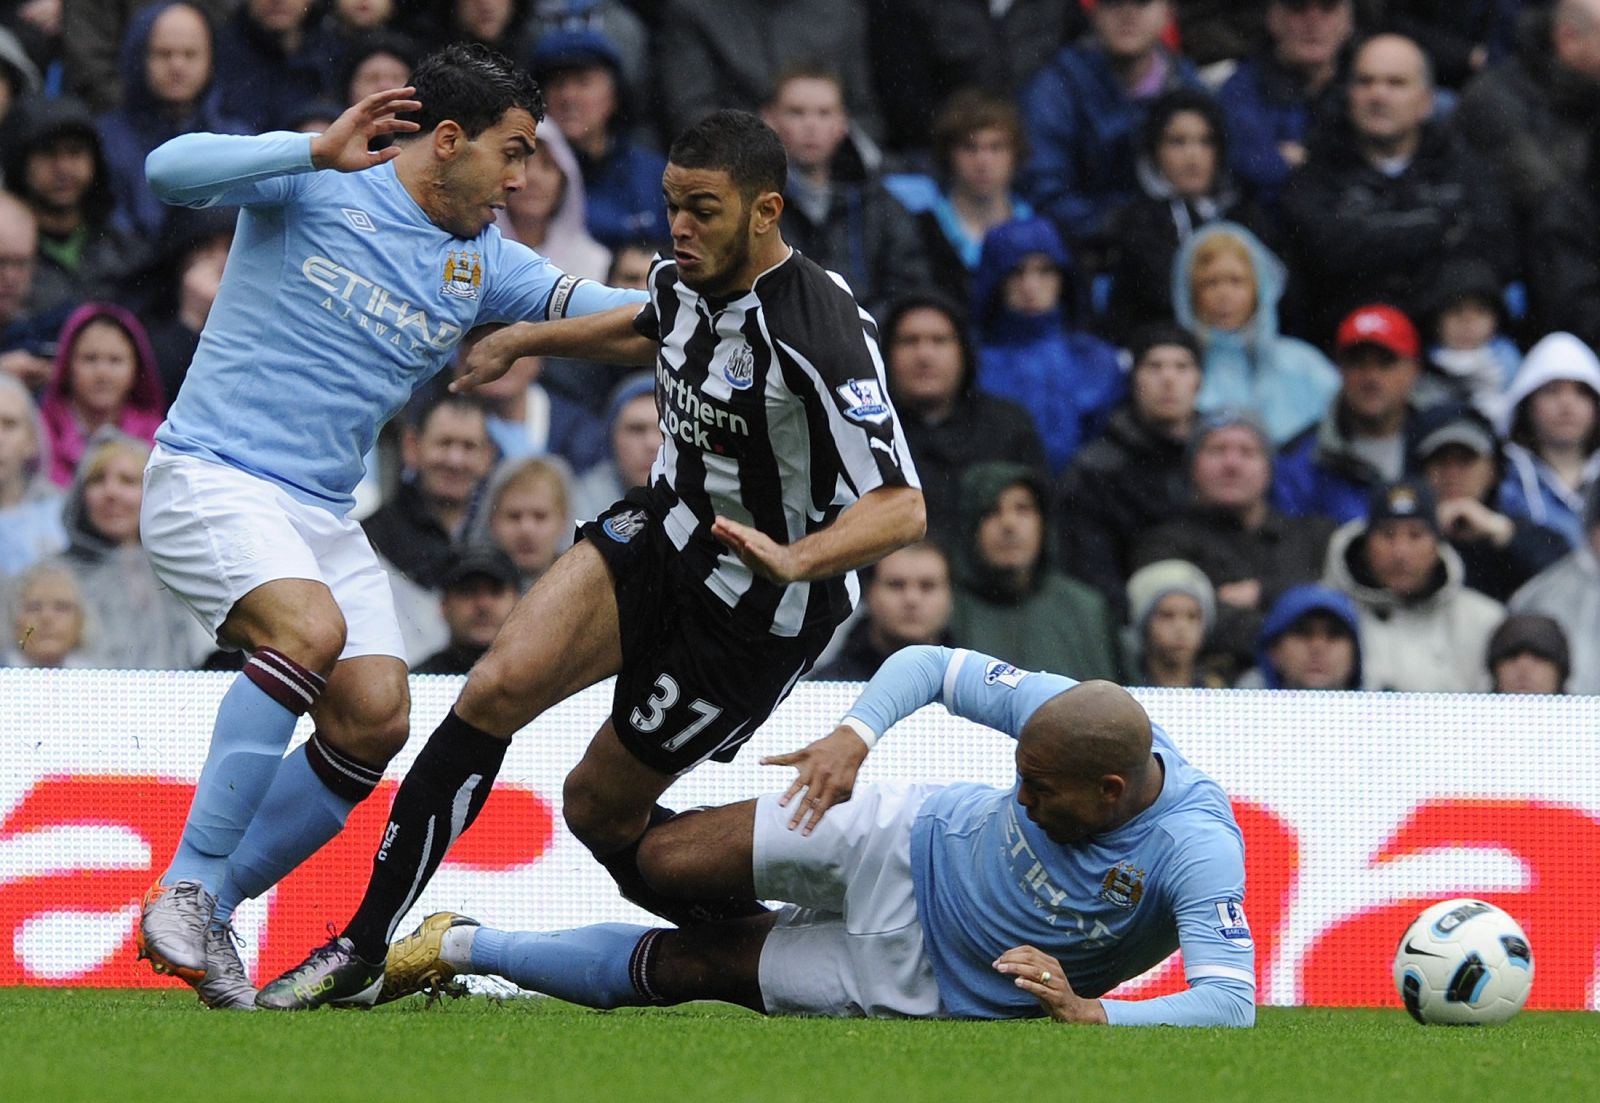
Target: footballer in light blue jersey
{"x":353,"y":276}
{"x":340,"y":296}
{"x":1108,"y":907}
{"x":965,"y":900}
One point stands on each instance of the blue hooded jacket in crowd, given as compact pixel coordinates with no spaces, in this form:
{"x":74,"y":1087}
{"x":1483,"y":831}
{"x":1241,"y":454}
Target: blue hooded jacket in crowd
{"x":1283,"y":379}
{"x":1295,"y":603}
{"x":1066,"y":379}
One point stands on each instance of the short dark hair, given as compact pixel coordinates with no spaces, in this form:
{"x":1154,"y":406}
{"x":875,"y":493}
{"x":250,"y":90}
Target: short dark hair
{"x":737,"y":143}
{"x":461,"y":403}
{"x":369,"y":44}
{"x":473,"y":87}
{"x":1158,"y":334}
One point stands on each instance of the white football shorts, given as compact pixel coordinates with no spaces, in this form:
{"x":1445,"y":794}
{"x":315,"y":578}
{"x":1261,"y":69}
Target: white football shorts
{"x":214,"y":533}
{"x":850,"y":945}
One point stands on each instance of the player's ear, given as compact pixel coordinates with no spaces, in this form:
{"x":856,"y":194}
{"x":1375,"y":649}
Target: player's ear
{"x":765,"y":211}
{"x":447,"y":137}
{"x":1112,"y":786}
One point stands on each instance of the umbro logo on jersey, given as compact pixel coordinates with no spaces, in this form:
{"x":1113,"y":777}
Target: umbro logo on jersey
{"x":361,"y":220}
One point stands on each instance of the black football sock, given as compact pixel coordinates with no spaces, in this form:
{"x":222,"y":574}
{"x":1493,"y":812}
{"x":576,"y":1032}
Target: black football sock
{"x":623,"y":865}
{"x":440,"y":797}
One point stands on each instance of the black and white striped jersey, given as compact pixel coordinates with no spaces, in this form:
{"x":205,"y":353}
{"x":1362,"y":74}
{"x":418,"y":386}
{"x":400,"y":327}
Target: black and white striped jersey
{"x":776,"y":414}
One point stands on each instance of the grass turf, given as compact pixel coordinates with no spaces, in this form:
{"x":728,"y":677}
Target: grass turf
{"x":71,"y":1044}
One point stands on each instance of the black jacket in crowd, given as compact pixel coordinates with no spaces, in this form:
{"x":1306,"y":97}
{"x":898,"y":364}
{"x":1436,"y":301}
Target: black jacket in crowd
{"x":1356,"y":235}
{"x":1127,"y":481}
{"x":1281,"y":553}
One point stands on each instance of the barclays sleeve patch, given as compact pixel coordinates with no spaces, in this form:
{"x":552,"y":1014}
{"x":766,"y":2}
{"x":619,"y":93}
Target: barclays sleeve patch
{"x":1003,"y":673}
{"x":863,"y":401}
{"x":1232,"y":925}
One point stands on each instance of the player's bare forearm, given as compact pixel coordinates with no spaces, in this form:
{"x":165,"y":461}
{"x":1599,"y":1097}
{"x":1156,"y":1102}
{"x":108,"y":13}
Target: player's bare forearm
{"x":879,"y":522}
{"x":608,"y":337}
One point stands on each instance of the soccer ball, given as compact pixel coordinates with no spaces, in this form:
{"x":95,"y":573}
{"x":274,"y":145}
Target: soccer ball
{"x":1465,"y":963}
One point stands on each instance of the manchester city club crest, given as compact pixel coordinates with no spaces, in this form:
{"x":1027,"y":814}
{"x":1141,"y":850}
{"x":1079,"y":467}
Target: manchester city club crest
{"x":463,"y":273}
{"x":1123,"y":886}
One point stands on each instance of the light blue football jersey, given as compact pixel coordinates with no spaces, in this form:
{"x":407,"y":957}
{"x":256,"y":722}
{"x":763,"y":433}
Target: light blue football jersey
{"x":988,"y":879}
{"x":339,"y":297}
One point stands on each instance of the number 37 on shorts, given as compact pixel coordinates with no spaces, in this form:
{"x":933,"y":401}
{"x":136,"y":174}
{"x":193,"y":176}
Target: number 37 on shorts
{"x":648,"y":719}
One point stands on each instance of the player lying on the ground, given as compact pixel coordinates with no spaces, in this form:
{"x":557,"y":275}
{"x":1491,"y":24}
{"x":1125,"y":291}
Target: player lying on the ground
{"x":973,"y":901}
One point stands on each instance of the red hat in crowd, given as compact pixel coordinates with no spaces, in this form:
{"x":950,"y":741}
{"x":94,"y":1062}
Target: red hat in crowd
{"x":1379,"y":325}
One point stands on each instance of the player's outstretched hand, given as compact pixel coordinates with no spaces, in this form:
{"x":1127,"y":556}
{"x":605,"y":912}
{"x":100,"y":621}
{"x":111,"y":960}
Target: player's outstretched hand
{"x":827,"y":775}
{"x":343,"y":145}
{"x":1041,"y":975}
{"x":771,"y":560}
{"x":491,"y":352}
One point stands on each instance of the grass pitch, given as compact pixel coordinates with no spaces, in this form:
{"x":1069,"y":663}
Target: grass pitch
{"x":78,"y":1044}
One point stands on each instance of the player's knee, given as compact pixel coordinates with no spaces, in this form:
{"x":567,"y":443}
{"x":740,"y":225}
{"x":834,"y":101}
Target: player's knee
{"x":496,"y":695}
{"x":372,"y":733}
{"x":314,"y":641}
{"x":662,"y":864}
{"x":380,"y":740}
{"x":594,"y":819}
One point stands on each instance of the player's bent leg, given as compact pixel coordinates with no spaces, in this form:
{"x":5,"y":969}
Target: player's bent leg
{"x":294,"y":632}
{"x":609,"y":803}
{"x":361,"y":720}
{"x":608,"y":796}
{"x":706,"y":853}
{"x":561,"y":637}
{"x":365,"y":715}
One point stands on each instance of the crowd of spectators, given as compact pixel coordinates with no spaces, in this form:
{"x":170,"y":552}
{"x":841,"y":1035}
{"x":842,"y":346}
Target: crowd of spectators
{"x":1236,"y":344}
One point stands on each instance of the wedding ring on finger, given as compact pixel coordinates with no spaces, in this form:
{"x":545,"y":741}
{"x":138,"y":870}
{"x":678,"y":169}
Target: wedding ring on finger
{"x":1044,"y":977}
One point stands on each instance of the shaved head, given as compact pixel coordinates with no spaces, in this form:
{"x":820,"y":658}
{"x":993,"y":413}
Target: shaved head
{"x":1093,"y":729}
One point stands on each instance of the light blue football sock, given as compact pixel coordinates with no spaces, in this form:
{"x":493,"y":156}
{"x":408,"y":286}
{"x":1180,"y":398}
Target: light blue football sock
{"x":247,"y":746}
{"x":589,"y":965}
{"x":298,"y":815}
